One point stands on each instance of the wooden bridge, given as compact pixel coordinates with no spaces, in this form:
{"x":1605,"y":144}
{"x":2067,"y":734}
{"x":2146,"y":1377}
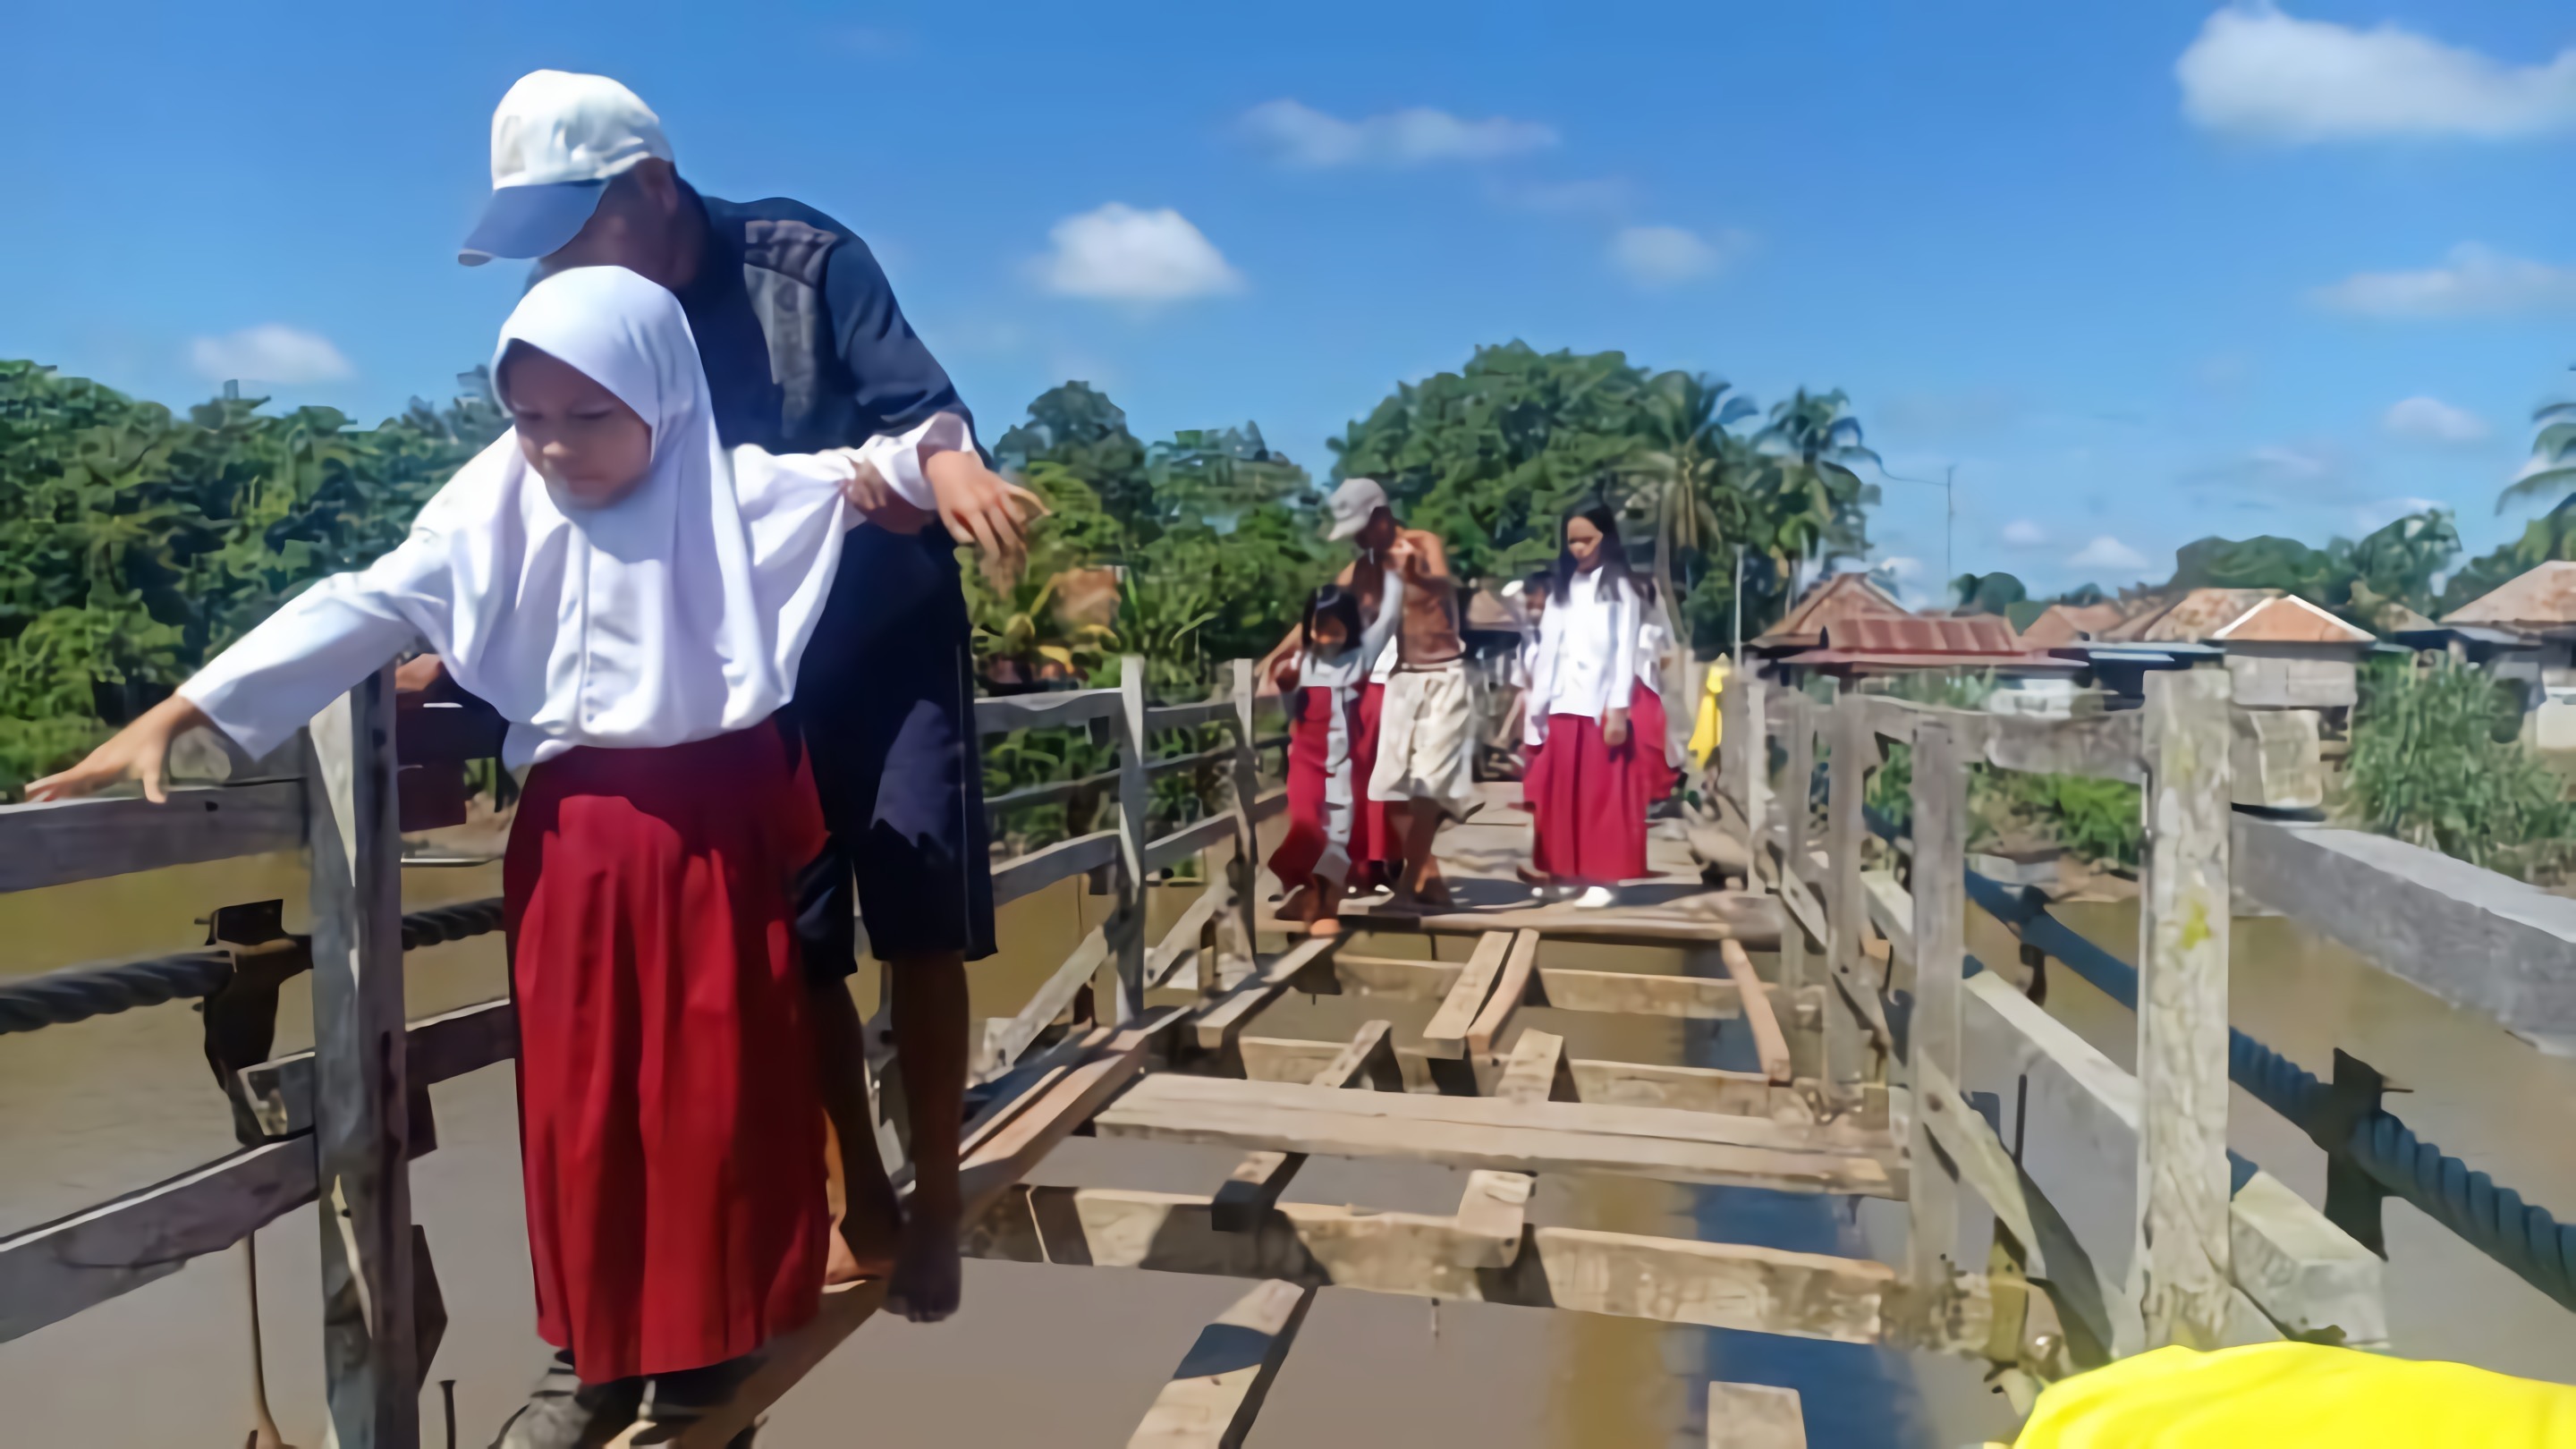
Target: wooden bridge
{"x":1885,"y":1057}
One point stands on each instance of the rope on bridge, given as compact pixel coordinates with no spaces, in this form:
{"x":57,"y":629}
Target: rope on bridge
{"x":59,"y":998}
{"x":2495,"y":1220}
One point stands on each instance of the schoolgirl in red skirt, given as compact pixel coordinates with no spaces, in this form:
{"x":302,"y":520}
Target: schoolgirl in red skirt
{"x":633,"y":599}
{"x":1322,"y":850}
{"x":1646,"y":716}
{"x":1589,"y":803}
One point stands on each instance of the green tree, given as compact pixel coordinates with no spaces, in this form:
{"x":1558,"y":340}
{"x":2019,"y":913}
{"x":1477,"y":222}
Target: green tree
{"x":2549,"y":538}
{"x":1987,"y":593}
{"x":1078,"y":428}
{"x":1686,"y":479}
{"x":2437,"y":760}
{"x":1810,"y":504}
{"x":2552,"y":469}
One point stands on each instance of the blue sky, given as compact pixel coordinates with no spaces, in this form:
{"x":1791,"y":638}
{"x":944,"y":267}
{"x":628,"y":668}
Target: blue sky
{"x":2139,"y":272}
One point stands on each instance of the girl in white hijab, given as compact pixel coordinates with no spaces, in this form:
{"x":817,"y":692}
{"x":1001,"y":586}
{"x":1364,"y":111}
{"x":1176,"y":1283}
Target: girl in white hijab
{"x":633,"y":600}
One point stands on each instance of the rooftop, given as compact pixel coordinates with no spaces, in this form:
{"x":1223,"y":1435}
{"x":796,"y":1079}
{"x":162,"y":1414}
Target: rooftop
{"x":2541,"y":600}
{"x":1844,"y":596}
{"x":2290,"y":620}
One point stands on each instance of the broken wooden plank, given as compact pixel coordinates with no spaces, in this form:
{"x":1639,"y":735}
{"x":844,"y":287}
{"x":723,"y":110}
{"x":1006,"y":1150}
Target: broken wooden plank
{"x":1510,"y":988}
{"x":1536,"y":1070}
{"x":1770,"y":1044}
{"x":1476,"y":1132}
{"x":1669,"y":1280}
{"x":1755,"y":1416}
{"x":1216,"y":1393}
{"x":1223,"y":1019}
{"x":1446,"y":1034}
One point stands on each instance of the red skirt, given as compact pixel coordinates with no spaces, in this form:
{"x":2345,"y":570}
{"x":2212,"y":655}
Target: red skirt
{"x":1646,"y":725}
{"x":670,"y":1127}
{"x":1310,"y":747}
{"x":1377,"y":829}
{"x":1591,"y":813}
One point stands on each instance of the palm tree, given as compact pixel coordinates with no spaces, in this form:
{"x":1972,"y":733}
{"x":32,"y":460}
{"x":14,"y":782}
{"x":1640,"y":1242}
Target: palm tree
{"x":2552,"y":468}
{"x":1684,"y":478}
{"x":1810,"y":498}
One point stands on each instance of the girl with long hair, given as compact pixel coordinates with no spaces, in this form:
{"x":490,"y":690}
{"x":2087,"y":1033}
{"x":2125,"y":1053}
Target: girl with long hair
{"x":1588,"y":799}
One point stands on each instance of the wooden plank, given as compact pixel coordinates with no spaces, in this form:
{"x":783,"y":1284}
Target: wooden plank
{"x":1703,"y":918}
{"x":1940,"y":804}
{"x":361,"y":1101}
{"x":76,"y":840}
{"x":1974,"y":1155}
{"x":1755,"y":1416}
{"x":1187,"y":841}
{"x":1028,"y":874}
{"x":1891,"y":912}
{"x":1668,"y":1280}
{"x":1216,"y":1393}
{"x":1495,"y":1210}
{"x":2106,"y":746}
{"x":1185,"y":716}
{"x":1183,"y":938}
{"x":1446,"y":1033}
{"x":1395,"y":976}
{"x":1688,"y":1089}
{"x":1770,"y":1044}
{"x":1476,"y":1132}
{"x":1002,"y":713}
{"x":1046,"y":794}
{"x":1224,"y":1018}
{"x":2182,"y":1011}
{"x":1697,"y":998}
{"x":1006,"y":1038}
{"x":1797,"y":789}
{"x":1746,"y":751}
{"x":1536,"y":1071}
{"x":1246,"y":868}
{"x":57,"y":1269}
{"x":1367,"y":1059}
{"x":1127,"y":1000}
{"x":450,"y":1044}
{"x":1510,"y":987}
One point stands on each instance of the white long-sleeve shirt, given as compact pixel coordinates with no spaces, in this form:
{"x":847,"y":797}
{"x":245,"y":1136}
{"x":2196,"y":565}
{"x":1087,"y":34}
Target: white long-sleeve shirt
{"x":1587,"y":654}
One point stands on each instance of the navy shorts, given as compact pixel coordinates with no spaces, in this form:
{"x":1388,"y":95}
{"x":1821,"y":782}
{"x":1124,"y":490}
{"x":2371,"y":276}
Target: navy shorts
{"x":885,"y":704}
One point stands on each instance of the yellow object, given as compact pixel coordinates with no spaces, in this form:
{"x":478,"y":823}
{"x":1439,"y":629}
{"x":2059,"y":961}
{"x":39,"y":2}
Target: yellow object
{"x":2295,"y":1395}
{"x":1707,"y":729}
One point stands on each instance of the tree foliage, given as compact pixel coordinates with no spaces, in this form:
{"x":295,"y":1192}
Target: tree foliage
{"x":2437,"y":760}
{"x":2393,"y":567}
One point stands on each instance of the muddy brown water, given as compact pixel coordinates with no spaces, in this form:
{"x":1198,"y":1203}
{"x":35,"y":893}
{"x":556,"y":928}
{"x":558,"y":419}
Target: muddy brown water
{"x":1076,"y":1354}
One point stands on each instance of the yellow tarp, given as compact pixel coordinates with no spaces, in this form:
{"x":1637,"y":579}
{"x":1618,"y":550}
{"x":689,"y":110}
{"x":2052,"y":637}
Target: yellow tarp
{"x":2295,"y":1395}
{"x":1706,"y":730}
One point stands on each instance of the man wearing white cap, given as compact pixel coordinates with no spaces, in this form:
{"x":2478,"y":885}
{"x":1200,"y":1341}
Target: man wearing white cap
{"x":805,"y":350}
{"x":1424,"y":743}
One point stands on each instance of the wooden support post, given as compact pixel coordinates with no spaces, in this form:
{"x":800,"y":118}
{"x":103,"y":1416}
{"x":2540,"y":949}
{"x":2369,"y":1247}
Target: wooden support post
{"x":1755,"y":1416}
{"x":1847,"y":912}
{"x":361,"y":1099}
{"x":1247,"y":788}
{"x":1216,"y":1393}
{"x":1745,"y":756}
{"x":1932,"y":1040}
{"x":1134,"y":795}
{"x":2182,"y":1012}
{"x":1794,"y":815}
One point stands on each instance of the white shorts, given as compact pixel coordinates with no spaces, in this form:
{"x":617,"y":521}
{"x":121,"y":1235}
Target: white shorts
{"x":1424,"y":739}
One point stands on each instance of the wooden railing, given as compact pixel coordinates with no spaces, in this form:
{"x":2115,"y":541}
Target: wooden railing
{"x":341,"y":1122}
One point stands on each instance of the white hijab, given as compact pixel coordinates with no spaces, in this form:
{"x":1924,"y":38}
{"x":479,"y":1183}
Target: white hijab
{"x":675,"y":614}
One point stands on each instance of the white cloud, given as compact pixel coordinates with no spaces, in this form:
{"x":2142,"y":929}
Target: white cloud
{"x":1299,"y":135}
{"x":2106,"y":552}
{"x":1119,"y":253}
{"x":2472,"y":281}
{"x":269,"y":352}
{"x":2259,"y":73}
{"x":2431,"y":420}
{"x":2022,"y":533}
{"x":2289,"y":464}
{"x":1664,"y":256}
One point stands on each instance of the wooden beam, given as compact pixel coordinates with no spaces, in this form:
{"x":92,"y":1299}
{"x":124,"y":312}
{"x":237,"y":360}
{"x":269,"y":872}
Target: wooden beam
{"x":450,"y":1044}
{"x":1006,"y":1038}
{"x":1446,"y":1033}
{"x":1668,"y":1280}
{"x":2182,"y":1010}
{"x":1368,"y":1059}
{"x":2106,"y":746}
{"x":1063,"y":860}
{"x":361,"y":1099}
{"x":1223,"y":1019}
{"x":1698,"y":998}
{"x":1847,"y":774}
{"x":1536,"y":1071}
{"x":1396,"y":976}
{"x":1477,"y":1132}
{"x":1940,"y":805}
{"x":1494,"y":1213}
{"x":1689,"y":1089}
{"x":1183,"y":716}
{"x":1510,"y":988}
{"x":1187,"y":841}
{"x":1770,"y":1044}
{"x":1127,"y":999}
{"x":996,"y":715}
{"x":1245,"y":870}
{"x":1703,"y":918}
{"x":77,"y":840}
{"x":1755,"y":1416}
{"x":1797,"y":795}
{"x":1183,"y":937}
{"x":1214,"y":1396}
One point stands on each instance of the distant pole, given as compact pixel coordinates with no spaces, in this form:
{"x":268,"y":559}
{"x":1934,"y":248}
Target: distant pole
{"x":1735,"y":612}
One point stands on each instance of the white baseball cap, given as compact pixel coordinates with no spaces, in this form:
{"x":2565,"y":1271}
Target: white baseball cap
{"x":1351,"y":507}
{"x":557,"y":140}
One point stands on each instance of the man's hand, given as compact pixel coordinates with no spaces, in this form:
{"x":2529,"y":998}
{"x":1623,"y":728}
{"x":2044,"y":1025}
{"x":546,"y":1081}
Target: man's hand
{"x":980,"y":508}
{"x":140,"y":751}
{"x":1614,"y":728}
{"x":876,"y":499}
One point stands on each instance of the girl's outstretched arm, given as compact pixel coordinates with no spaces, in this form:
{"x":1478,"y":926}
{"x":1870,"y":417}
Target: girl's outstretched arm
{"x":140,"y":751}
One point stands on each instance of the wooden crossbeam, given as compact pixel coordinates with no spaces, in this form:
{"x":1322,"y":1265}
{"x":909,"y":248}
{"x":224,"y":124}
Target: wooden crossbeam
{"x":1368,"y":1059}
{"x":1609,"y":1083}
{"x":1225,"y":1018}
{"x":1446,"y":1033}
{"x":1477,"y":1132}
{"x":1005,"y":1038}
{"x":1214,"y":1396}
{"x":1536,"y":1071}
{"x":1667,"y":1280}
{"x":1183,"y":938}
{"x":1755,"y":1416}
{"x":1510,"y":987}
{"x":1769,"y":1042}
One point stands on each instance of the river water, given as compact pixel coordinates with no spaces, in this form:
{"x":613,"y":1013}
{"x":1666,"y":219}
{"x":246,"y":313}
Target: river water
{"x":90,"y":1110}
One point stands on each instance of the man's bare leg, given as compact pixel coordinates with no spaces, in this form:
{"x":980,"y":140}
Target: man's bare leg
{"x":930,"y":1040}
{"x":1421,"y":883}
{"x":870,"y":1220}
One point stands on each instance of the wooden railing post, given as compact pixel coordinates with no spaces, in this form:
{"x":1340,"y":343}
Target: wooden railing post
{"x":1932,"y":1036}
{"x":1793,"y":835}
{"x":361,"y":1099}
{"x":1846,"y":906}
{"x":1134,"y":799}
{"x":2182,"y":1247}
{"x":1246,"y":868}
{"x":1744,"y":759}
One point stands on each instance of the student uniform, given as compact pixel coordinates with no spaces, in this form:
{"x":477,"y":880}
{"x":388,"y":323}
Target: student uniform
{"x":1646,"y":715}
{"x":1590,"y":809}
{"x":1326,"y":781}
{"x":671,"y":1127}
